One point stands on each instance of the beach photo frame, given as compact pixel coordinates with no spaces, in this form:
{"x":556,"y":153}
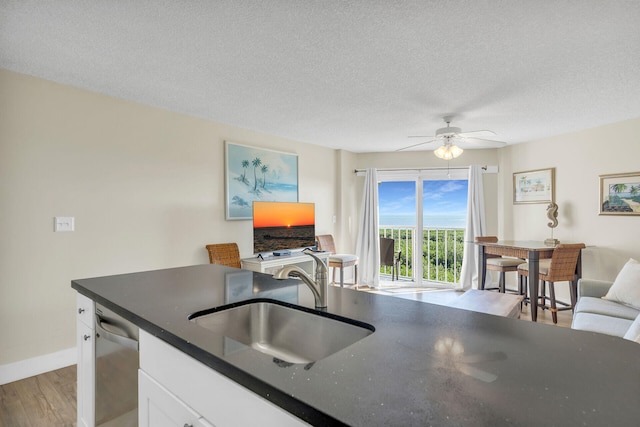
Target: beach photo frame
{"x":620,"y":194}
{"x":534,"y":186}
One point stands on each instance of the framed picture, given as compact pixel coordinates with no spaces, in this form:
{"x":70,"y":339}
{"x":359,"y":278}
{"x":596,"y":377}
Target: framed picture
{"x":535,"y":186}
{"x":257,"y":174}
{"x":620,"y":194}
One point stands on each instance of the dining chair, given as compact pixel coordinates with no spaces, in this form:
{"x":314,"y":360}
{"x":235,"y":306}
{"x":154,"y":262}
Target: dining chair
{"x":336,"y":260}
{"x":523,"y":282}
{"x":389,"y":257}
{"x":561,"y":267}
{"x":500,"y":264}
{"x":224,"y":254}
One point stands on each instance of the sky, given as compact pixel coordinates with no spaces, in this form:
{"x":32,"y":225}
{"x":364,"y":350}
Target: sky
{"x":279,"y":214}
{"x":439,"y":197}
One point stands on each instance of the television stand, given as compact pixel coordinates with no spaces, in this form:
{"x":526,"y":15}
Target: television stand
{"x":269,"y":264}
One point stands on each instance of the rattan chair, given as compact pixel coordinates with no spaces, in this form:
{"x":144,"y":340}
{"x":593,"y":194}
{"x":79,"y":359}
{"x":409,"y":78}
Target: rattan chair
{"x":523,"y":282}
{"x":560,"y":268}
{"x":389,"y":257}
{"x":224,"y":254}
{"x":326,"y":243}
{"x":501,"y":264}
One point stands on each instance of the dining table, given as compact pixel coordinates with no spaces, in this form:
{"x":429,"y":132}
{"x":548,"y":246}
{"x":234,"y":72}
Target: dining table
{"x":533,"y":251}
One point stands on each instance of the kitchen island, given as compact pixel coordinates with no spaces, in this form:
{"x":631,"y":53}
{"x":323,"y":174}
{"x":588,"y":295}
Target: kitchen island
{"x":425,"y":364}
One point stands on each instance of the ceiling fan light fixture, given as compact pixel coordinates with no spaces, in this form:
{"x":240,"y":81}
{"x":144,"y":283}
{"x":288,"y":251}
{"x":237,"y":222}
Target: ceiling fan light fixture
{"x":447,"y":135}
{"x":448,"y":131}
{"x":448,"y":152}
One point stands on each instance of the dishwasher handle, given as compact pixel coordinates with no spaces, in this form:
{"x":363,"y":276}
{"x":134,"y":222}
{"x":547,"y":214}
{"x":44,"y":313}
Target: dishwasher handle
{"x":116,"y":335}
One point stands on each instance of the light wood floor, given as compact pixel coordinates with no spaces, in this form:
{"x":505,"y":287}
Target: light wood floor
{"x":45,"y":400}
{"x":50,"y":399}
{"x":446,"y":296}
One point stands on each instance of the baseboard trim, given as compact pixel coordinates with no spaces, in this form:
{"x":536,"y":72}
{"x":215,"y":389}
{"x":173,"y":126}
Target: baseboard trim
{"x":37,"y":365}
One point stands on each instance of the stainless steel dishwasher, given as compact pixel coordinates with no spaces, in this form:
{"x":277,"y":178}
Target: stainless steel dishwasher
{"x":116,"y":365}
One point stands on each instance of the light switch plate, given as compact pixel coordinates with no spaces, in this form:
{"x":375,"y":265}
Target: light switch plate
{"x":63,"y":223}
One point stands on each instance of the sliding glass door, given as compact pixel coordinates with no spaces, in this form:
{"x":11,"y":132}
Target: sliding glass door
{"x":397,"y":219}
{"x":425,"y":213}
{"x":444,"y":210}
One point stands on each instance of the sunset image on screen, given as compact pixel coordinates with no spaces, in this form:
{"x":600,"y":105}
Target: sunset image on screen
{"x":279,"y":214}
{"x":283,"y":225}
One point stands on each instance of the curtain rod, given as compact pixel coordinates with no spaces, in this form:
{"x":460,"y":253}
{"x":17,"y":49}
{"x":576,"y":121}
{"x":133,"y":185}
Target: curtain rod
{"x":485,"y":168}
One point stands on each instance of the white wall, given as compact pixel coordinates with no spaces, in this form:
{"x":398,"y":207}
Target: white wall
{"x":146,"y":188}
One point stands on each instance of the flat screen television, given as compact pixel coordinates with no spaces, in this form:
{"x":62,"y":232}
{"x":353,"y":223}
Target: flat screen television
{"x":283,"y":226}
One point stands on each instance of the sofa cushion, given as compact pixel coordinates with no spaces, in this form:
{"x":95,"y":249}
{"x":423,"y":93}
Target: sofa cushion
{"x":626,"y":287}
{"x":633,"y":333}
{"x":602,"y":324}
{"x":606,"y":308}
{"x":593,"y":288}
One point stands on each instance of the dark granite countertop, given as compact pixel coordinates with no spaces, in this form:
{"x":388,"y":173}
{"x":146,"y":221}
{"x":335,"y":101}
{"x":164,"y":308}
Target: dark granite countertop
{"x":424,"y":365}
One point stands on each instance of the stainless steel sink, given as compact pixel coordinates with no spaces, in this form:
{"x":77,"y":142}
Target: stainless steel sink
{"x":287,"y":333}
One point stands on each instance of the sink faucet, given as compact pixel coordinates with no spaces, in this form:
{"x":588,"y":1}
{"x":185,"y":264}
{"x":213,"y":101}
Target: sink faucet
{"x":319,"y":287}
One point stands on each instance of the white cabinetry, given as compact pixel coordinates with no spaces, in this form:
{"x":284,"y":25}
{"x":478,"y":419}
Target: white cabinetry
{"x":86,"y":352}
{"x":174,"y":389}
{"x":271,"y":264}
{"x":158,"y":407}
{"x":187,"y":392}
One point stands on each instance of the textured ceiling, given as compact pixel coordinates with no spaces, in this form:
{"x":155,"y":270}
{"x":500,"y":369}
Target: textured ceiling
{"x":357,"y":75}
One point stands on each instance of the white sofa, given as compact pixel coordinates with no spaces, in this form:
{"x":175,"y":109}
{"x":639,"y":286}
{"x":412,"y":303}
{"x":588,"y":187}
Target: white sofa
{"x":595,"y":314}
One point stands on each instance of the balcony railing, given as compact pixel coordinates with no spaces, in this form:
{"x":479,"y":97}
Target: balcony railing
{"x":442,"y":250}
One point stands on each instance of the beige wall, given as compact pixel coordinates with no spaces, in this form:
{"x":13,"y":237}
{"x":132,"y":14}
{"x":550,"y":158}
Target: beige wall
{"x":146,"y":188}
{"x":579,"y":158}
{"x":349,"y":203}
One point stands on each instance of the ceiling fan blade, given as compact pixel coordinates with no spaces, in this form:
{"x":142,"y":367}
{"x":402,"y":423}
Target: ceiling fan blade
{"x":467,"y":133}
{"x":415,"y":145}
{"x":421,"y":136}
{"x":492,"y":141}
{"x":482,"y":141}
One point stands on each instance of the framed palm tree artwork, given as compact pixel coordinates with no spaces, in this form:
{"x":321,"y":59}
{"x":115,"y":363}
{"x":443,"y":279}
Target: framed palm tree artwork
{"x":253,"y":173}
{"x":620,"y":194}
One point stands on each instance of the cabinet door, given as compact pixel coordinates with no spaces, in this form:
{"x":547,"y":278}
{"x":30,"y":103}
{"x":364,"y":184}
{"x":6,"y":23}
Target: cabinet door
{"x":160,"y":408}
{"x":217,"y":399}
{"x":86,"y":310}
{"x":86,"y":375}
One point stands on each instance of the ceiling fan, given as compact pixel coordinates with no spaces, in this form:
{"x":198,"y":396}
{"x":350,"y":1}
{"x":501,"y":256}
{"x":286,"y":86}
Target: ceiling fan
{"x":450,"y":135}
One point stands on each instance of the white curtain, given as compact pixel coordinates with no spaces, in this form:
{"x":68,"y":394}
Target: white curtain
{"x":475,"y":227}
{"x":368,"y":245}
